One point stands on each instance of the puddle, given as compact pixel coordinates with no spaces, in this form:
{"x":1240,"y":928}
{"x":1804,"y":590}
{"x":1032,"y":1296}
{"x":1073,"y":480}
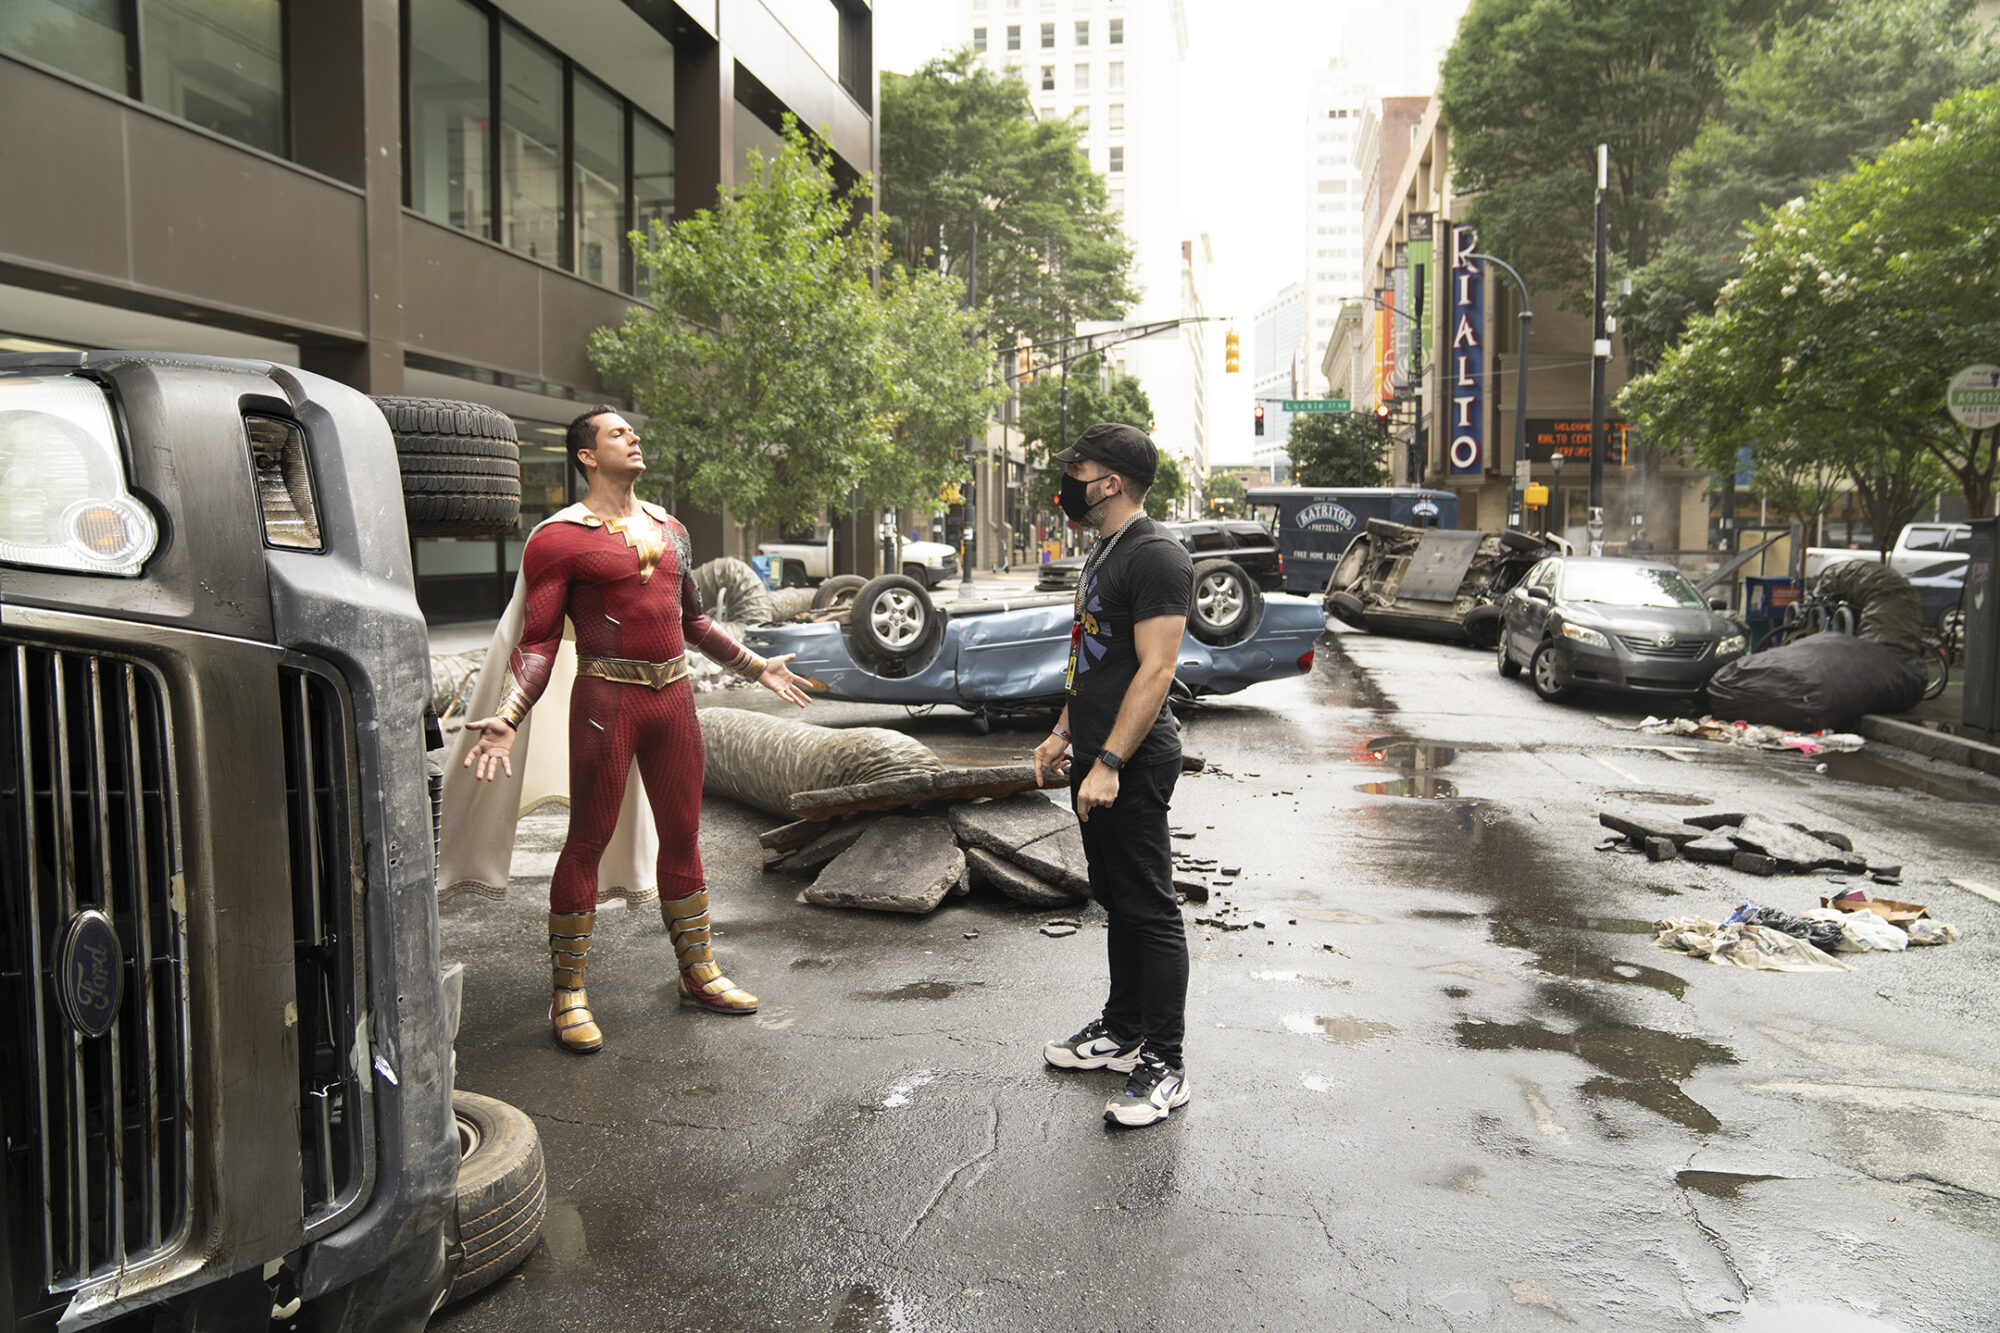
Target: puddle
{"x":866,"y":1309}
{"x":1874,"y":770}
{"x":1301,"y":979}
{"x":1337,"y":916}
{"x":1346,"y":1031}
{"x":1660,"y":798}
{"x":1341,"y":682}
{"x":919,"y":990}
{"x":1424,"y":789}
{"x":1581,"y":964}
{"x":1639,"y":1065}
{"x":1718,"y":1184}
{"x":1409,"y":754}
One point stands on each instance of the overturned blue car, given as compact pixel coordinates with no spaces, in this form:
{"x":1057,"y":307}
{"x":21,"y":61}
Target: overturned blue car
{"x":893,"y":644}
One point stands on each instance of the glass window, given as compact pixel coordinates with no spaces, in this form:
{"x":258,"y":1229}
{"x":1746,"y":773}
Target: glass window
{"x":599,"y":169}
{"x":1083,"y":32}
{"x":1082,"y":77}
{"x":219,"y":64}
{"x":652,"y":173}
{"x":1117,"y":159}
{"x":531,"y":125}
{"x":1013,"y":36}
{"x":1048,"y":78}
{"x":86,"y":38}
{"x":979,"y":39}
{"x":450,"y":102}
{"x":1115,"y":33}
{"x":1115,"y":75}
{"x":1048,"y":36}
{"x":1117,"y":115}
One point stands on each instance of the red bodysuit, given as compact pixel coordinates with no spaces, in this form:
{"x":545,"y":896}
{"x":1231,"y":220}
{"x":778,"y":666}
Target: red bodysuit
{"x":631,"y":596}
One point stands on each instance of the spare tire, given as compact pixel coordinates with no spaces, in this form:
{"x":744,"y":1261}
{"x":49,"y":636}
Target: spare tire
{"x":837,"y":591}
{"x":894,"y":628}
{"x":461,"y":466}
{"x":503,"y":1192}
{"x":1353,"y":563}
{"x":1516,"y":540}
{"x":1482,"y":625}
{"x":1227,"y":603}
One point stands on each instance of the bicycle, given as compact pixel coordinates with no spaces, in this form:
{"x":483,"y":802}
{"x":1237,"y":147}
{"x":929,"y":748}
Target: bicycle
{"x":1817,"y":613}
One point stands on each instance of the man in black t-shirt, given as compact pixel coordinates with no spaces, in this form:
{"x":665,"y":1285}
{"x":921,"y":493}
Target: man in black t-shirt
{"x":1131,"y":610}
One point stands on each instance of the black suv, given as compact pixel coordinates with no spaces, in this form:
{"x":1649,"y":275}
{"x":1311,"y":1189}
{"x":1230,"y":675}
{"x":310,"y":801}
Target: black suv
{"x":225,"y":1038}
{"x":1246,"y":543}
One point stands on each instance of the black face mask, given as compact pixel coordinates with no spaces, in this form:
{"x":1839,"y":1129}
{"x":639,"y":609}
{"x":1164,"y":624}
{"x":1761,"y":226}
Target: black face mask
{"x":1075,"y":498}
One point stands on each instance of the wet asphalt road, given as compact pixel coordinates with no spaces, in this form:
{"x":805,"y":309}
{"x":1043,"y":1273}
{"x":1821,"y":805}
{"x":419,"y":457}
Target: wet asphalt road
{"x":1448,"y":1083}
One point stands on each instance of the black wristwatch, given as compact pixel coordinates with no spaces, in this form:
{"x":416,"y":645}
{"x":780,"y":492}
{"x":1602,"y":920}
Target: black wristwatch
{"x":1110,"y":759}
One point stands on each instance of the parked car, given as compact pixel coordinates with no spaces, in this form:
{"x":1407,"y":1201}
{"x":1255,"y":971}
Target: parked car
{"x":1942,"y":588}
{"x":1606,"y":622}
{"x":892,"y":644}
{"x":1248,"y":544}
{"x":809,"y":562}
{"x":1432,"y":582}
{"x":225,"y":1037}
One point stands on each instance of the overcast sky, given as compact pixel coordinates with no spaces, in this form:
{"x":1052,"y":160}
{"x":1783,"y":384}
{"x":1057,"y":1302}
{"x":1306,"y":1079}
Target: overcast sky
{"x":1243,"y":166}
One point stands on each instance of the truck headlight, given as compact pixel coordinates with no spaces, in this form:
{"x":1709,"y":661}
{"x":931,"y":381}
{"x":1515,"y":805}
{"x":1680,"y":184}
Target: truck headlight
{"x":63,"y":500}
{"x":1588,"y":637}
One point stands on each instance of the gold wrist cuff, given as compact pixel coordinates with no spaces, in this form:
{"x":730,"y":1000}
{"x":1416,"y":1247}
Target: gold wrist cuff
{"x":748,"y":665}
{"x":514,"y":704}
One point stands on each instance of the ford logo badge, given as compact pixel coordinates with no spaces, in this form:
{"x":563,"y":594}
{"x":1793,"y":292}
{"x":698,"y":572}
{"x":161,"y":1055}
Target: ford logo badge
{"x":90,"y":976}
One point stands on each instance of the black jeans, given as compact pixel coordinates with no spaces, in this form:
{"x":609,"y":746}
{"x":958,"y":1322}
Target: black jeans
{"x":1132,"y":876}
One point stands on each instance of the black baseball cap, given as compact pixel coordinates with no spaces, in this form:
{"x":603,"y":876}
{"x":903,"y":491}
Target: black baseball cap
{"x":1124,"y":449}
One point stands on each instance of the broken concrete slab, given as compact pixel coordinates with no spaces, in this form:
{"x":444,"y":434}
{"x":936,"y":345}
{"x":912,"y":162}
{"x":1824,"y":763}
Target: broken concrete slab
{"x":1194,"y":890}
{"x":1002,"y":825}
{"x":831,"y":843}
{"x":915,"y":789}
{"x":1838,"y":839}
{"x":1056,"y":932}
{"x":785,"y":837}
{"x":1639,"y":826}
{"x":1661,"y":849}
{"x":1714,"y":850}
{"x":1791,"y":848}
{"x":1754,"y":863}
{"x":1013,"y":882}
{"x":899,"y":864}
{"x":1715,"y":821}
{"x":1056,"y":859}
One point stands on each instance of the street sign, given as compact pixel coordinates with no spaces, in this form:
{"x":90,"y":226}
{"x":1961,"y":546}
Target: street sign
{"x":1974,"y":397}
{"x":1318,"y":405}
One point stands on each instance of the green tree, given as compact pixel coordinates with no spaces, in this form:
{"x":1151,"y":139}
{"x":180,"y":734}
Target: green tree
{"x":1854,"y":308}
{"x":1835,"y":88}
{"x":959,"y":144}
{"x":1531,"y":87}
{"x":1092,"y":398}
{"x":1226,"y":494}
{"x":774,"y":376}
{"x":1168,"y":488}
{"x":1338,"y":449}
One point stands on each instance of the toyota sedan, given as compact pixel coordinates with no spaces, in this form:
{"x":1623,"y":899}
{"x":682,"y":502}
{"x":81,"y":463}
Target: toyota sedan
{"x":1598,"y":622}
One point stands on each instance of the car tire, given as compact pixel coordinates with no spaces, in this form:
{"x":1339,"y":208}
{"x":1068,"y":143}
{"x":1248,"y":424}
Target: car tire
{"x":921,"y":575}
{"x":1548,"y":672}
{"x":837,"y":591}
{"x":1227,"y":603}
{"x":460,"y":463}
{"x":792,"y":573}
{"x":894,"y":627}
{"x":1509,"y":668}
{"x":1353,"y":563}
{"x":1516,"y":540}
{"x":502,"y":1191}
{"x":1482,"y":625}
{"x":1347,"y":607}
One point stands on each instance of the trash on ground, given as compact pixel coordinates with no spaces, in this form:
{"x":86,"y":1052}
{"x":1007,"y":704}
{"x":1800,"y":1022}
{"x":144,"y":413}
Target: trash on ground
{"x":1823,"y":935}
{"x":1743,"y":945}
{"x":1751,"y":735}
{"x":1820,"y":682}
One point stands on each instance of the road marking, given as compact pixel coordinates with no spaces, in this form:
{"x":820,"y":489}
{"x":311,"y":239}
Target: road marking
{"x":1623,"y":773}
{"x":1678,"y":756}
{"x":1971,"y":886}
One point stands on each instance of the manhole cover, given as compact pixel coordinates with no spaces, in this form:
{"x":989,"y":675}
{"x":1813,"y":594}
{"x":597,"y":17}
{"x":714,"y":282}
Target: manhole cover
{"x":1660,"y":797}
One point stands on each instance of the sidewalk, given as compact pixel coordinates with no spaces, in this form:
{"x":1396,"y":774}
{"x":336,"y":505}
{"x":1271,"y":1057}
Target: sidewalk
{"x":1931,"y":728}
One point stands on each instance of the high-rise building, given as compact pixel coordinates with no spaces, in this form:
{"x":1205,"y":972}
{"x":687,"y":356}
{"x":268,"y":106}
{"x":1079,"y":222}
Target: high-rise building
{"x":1280,"y":368}
{"x":1115,"y":67}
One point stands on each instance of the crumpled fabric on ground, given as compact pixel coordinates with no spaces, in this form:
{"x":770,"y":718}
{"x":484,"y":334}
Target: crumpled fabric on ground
{"x":1819,"y":933}
{"x":1861,"y":932}
{"x":1925,"y":931}
{"x":1752,"y":735}
{"x":1756,"y":947}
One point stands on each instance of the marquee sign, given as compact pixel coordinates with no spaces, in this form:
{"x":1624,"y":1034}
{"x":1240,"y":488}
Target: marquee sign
{"x":1466,"y":367}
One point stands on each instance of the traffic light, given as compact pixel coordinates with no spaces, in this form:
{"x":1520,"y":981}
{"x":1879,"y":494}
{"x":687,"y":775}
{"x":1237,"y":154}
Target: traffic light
{"x":1257,"y":413}
{"x":1231,"y":363}
{"x":1027,"y":372}
{"x":1383,"y":411}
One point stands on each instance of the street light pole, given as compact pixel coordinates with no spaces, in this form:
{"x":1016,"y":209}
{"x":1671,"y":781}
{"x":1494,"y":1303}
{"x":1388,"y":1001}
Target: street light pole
{"x":1600,"y":355}
{"x":969,"y":527}
{"x":1518,"y":494}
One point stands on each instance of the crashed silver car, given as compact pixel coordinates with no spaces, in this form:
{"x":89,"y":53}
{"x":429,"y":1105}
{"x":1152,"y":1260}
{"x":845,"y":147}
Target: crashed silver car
{"x":1432,"y":582}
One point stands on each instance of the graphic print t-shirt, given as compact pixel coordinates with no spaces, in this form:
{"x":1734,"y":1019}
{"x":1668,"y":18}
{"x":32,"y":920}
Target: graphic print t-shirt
{"x":1146,"y":575}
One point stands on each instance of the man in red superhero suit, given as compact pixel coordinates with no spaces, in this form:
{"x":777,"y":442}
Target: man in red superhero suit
{"x":618,"y":568}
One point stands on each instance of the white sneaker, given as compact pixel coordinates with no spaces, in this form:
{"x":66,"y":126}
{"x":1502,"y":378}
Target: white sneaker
{"x":1153,"y":1089}
{"x":1092,"y":1048}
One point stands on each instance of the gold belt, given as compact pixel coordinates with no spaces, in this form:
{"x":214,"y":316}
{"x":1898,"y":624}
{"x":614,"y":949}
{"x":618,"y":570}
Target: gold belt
{"x":626,"y":671}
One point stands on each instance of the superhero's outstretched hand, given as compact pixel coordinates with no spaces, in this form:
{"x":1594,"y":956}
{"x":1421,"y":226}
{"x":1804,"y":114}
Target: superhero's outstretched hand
{"x":493,"y":751}
{"x":779,"y":680}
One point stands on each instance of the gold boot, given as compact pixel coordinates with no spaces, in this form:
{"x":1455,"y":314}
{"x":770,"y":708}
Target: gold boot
{"x":702,"y":982}
{"x":569,"y":955}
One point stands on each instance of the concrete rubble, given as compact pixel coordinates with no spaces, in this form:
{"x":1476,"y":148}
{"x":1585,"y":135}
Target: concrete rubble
{"x":1751,"y":843}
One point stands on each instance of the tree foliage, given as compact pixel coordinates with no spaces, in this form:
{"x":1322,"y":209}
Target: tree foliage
{"x":960,"y":144}
{"x":1531,"y":87}
{"x":1338,"y":449}
{"x":1835,"y":88}
{"x":774,"y":376}
{"x":1226,"y":494}
{"x":1093,"y":397}
{"x":1855,"y":307}
{"x":1168,"y":490}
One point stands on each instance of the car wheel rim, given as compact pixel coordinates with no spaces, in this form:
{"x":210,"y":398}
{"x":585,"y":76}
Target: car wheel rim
{"x":896,"y":619}
{"x":1545,"y":672}
{"x":1218,"y":601}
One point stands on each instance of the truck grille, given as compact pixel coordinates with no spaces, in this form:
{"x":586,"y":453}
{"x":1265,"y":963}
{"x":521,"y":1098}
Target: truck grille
{"x":335,"y":1127}
{"x":93,"y":946}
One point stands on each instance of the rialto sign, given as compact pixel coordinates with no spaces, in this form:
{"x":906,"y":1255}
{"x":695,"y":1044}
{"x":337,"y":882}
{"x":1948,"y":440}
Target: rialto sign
{"x":1466,"y":365}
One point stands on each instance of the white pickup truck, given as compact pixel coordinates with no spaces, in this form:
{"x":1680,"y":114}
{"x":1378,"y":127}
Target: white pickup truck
{"x":808,"y":562}
{"x":1918,"y":546}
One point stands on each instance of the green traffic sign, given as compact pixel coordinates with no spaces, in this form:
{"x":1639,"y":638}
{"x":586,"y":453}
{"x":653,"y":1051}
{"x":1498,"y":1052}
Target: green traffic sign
{"x":1318,"y":405}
